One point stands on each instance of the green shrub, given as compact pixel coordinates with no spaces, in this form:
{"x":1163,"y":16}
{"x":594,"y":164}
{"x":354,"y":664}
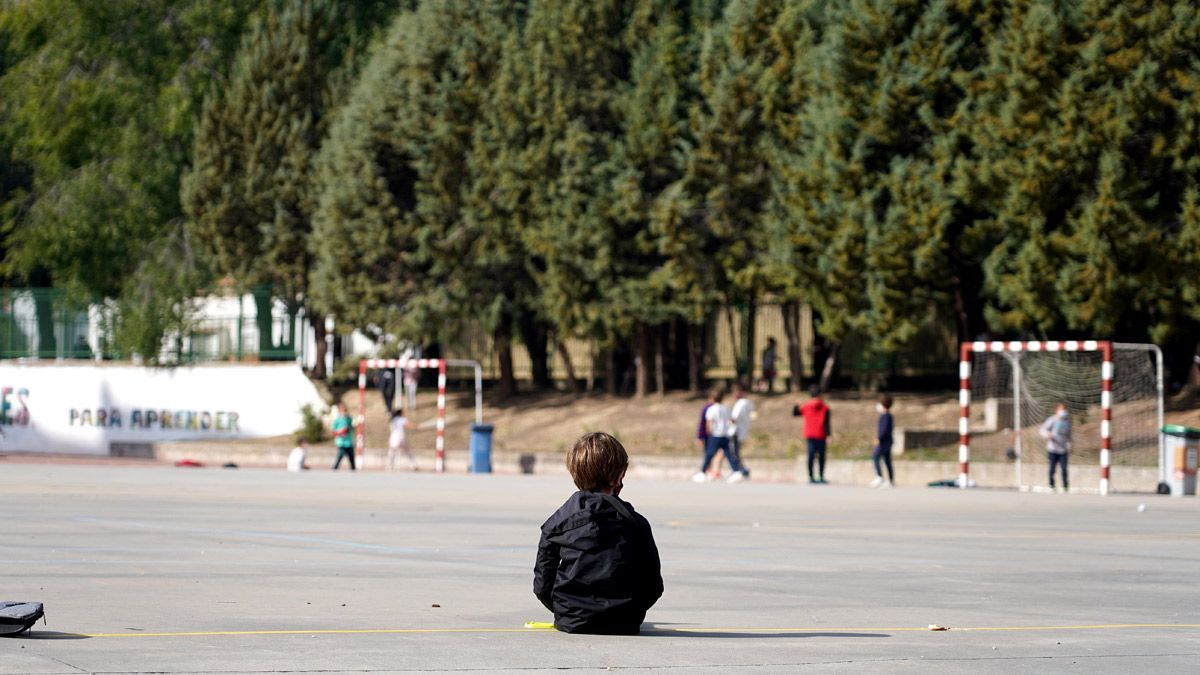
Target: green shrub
{"x":312,"y":428}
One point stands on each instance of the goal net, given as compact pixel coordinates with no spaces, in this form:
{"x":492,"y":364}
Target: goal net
{"x":1014,"y":388}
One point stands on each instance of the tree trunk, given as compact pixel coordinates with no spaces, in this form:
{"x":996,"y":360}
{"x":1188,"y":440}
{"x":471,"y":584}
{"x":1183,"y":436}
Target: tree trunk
{"x":593,"y":360}
{"x":319,"y":336}
{"x":641,"y":361}
{"x":830,"y":364}
{"x":660,"y":384}
{"x":734,"y":343}
{"x":749,"y":327}
{"x":293,"y":308}
{"x":695,"y":356}
{"x":262,"y":319}
{"x":791,"y":328}
{"x":537,"y":342}
{"x":43,"y":308}
{"x":610,"y":371}
{"x":968,"y":309}
{"x":503,"y":340}
{"x":561,"y":347}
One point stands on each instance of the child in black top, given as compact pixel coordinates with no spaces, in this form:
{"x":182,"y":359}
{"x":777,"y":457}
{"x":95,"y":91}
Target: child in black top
{"x":597,"y":566}
{"x":883,"y":442}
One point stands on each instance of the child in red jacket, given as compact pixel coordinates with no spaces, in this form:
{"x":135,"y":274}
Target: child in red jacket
{"x":816,"y":431}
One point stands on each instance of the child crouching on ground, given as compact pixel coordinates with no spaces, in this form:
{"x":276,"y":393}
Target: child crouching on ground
{"x":597,"y":566}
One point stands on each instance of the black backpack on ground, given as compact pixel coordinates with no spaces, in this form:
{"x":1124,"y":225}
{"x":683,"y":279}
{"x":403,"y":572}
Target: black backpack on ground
{"x":18,"y":617}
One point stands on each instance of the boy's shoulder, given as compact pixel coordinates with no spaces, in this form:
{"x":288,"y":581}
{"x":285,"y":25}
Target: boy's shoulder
{"x":585,"y":507}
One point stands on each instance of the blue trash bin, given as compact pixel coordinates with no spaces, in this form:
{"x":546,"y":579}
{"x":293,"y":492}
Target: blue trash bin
{"x":481,"y":448}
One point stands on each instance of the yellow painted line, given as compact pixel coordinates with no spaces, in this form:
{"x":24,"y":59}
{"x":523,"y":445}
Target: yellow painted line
{"x":539,"y":629}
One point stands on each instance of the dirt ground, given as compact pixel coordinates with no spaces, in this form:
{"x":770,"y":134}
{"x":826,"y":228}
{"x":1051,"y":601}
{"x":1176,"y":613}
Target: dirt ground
{"x":666,"y":425}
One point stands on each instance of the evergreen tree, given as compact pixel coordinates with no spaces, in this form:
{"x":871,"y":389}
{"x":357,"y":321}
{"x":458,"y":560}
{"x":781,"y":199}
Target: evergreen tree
{"x":864,"y":183}
{"x":405,"y":237}
{"x":249,"y":192}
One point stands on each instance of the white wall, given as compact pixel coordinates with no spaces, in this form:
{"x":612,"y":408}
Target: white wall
{"x":68,"y":408}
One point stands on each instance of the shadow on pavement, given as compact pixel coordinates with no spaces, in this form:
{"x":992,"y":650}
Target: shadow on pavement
{"x":50,"y":635}
{"x":657,"y":631}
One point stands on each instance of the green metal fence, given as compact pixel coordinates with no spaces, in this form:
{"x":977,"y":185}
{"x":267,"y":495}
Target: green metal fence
{"x":45,"y":323}
{"x":42,"y":323}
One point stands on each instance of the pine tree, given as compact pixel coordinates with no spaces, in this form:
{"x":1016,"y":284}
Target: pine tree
{"x":249,"y":192}
{"x":404,"y":234}
{"x":862,"y":200}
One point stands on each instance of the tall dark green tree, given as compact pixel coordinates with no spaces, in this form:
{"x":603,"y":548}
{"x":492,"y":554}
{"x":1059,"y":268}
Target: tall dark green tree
{"x":250,"y":190}
{"x":409,"y":240}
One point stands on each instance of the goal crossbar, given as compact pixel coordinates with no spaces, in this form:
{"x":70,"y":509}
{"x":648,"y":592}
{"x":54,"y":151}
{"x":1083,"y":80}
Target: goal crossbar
{"x":1104,"y":347}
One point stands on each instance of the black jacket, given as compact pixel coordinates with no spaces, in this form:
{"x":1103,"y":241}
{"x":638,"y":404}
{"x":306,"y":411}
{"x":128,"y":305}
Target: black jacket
{"x":597,"y":566}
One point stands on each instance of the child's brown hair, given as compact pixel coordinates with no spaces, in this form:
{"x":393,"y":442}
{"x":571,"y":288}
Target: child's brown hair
{"x":597,"y":462}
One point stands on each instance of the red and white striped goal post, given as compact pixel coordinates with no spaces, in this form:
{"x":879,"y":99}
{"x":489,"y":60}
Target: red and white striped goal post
{"x":440,"y":364}
{"x":1105,"y":348}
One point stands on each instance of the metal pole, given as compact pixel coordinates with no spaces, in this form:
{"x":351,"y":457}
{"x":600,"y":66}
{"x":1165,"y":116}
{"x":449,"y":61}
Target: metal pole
{"x":478,"y":384}
{"x":1018,"y":446}
{"x":241,"y":318}
{"x":964,"y":420}
{"x":361,"y":435}
{"x":440,"y":463}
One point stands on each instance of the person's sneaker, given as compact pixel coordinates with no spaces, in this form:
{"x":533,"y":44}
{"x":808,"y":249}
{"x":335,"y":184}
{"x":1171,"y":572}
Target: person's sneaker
{"x":813,"y":481}
{"x":700,"y":477}
{"x":822,"y":481}
{"x":888,"y":485}
{"x":736,"y":477}
{"x":877,"y":482}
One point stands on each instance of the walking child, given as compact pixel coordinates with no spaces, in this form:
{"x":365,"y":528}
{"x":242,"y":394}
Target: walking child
{"x":343,"y":437}
{"x":398,"y":440}
{"x":597,"y":565}
{"x":719,"y":424}
{"x":883,"y":443}
{"x":743,"y":416}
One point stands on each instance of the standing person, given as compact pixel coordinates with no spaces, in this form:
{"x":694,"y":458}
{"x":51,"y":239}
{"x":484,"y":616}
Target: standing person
{"x":742,"y":414}
{"x":883,"y":442}
{"x":768,"y":367}
{"x":398,"y":440}
{"x":817,"y":431}
{"x":1057,"y":432}
{"x":702,"y":436}
{"x":343,"y":437}
{"x":597,"y":566}
{"x":387,"y":387}
{"x":297,"y":456}
{"x":719,"y":424}
{"x":412,"y":375}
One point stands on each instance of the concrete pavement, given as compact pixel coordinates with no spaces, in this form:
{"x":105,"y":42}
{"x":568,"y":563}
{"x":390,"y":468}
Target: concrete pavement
{"x":160,"y":569}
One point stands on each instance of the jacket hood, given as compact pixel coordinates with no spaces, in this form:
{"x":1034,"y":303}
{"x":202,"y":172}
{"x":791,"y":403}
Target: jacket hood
{"x":581,"y":509}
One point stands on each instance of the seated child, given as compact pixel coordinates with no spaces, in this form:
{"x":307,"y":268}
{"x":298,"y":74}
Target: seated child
{"x":597,"y":566}
{"x":297,"y":456}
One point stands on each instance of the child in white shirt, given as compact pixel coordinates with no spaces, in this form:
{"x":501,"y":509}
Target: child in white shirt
{"x":296,"y":458}
{"x":398,"y":440}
